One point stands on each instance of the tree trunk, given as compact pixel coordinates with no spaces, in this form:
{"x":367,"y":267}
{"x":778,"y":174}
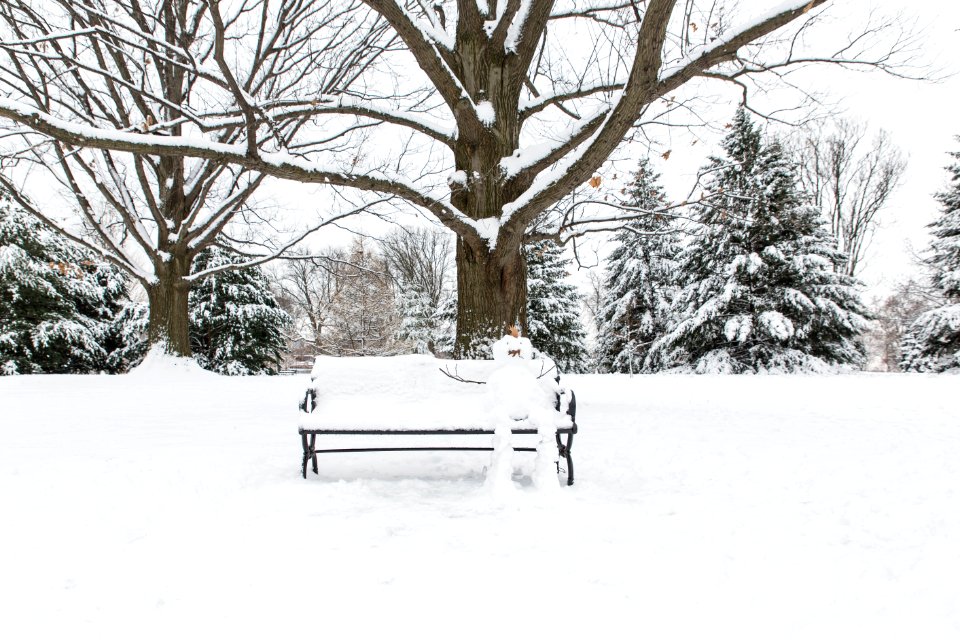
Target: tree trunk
{"x":491,"y":296}
{"x":169,"y":319}
{"x":491,"y":284}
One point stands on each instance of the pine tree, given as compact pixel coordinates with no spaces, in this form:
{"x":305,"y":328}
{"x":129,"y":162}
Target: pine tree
{"x":57,"y":300}
{"x":445,"y":318}
{"x":640,"y":280}
{"x":762,"y":289}
{"x":425,"y":325}
{"x":128,"y":336}
{"x":933,"y":342}
{"x":553,"y":308}
{"x":416,"y":320}
{"x":236,"y":326}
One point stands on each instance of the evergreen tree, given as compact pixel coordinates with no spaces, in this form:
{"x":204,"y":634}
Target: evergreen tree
{"x":428,"y":327}
{"x":445,"y":318}
{"x":933,"y":342}
{"x":640,"y":280}
{"x":553,"y":308}
{"x":57,"y":300}
{"x":128,"y":336}
{"x":416,"y":320}
{"x":236,"y":326}
{"x":762,"y":288}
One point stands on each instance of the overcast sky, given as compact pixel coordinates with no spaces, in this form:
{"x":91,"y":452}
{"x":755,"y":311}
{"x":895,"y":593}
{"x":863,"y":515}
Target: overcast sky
{"x":922,"y":118}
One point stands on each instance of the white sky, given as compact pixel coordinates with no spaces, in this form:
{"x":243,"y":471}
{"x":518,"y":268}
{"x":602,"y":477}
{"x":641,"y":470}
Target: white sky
{"x":922,"y":117}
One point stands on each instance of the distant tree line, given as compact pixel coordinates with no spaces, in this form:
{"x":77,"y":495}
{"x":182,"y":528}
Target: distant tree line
{"x":397,"y":295}
{"x":66,"y":310}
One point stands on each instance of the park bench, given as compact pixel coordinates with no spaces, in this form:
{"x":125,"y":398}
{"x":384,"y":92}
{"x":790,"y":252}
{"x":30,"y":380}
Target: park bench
{"x":382,"y":397}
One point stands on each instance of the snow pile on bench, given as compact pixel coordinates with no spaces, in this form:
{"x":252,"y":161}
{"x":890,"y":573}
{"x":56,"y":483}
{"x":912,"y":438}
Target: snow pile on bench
{"x":412,"y":392}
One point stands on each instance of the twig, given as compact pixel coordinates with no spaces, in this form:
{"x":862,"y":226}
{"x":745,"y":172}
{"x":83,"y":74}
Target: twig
{"x":456,"y":376}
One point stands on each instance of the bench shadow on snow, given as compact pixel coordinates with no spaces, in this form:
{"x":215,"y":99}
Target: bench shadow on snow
{"x":440,"y":470}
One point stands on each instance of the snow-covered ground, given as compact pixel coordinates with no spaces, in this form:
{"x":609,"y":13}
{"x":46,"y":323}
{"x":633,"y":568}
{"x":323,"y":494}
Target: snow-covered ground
{"x":160,"y":505}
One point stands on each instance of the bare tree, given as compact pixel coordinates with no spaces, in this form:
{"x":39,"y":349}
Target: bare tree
{"x":596,"y":292}
{"x":364,"y":318}
{"x":504,"y":120}
{"x":308,"y":288}
{"x":420,"y":259}
{"x":894,"y":315}
{"x":150,"y":69}
{"x":420,"y":263}
{"x":851,"y":180}
{"x":342,"y":302}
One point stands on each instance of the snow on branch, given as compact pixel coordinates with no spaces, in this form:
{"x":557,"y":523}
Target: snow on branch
{"x":538,"y":104}
{"x":430,"y":48}
{"x":282,"y":111}
{"x":277,"y":164}
{"x":646,"y":83}
{"x":572,"y":9}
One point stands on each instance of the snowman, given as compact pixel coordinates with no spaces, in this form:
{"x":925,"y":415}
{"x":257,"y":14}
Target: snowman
{"x":513,"y":346}
{"x":515,"y":394}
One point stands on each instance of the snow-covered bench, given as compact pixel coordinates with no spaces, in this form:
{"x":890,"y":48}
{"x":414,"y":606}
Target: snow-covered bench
{"x":417,"y":395}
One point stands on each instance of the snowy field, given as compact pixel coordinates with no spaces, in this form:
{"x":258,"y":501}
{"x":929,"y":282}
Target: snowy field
{"x":159,"y":506}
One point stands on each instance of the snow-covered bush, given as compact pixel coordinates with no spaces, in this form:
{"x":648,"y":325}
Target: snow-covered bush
{"x":236,"y":326}
{"x":57,"y":300}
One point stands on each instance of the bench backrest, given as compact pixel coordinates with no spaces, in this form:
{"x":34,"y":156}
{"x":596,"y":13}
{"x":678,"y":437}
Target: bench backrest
{"x":410,"y":391}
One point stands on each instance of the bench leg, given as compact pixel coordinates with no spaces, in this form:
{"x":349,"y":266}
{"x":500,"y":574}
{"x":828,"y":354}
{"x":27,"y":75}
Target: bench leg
{"x":309,"y":452}
{"x":564,"y":451}
{"x":306,"y":454}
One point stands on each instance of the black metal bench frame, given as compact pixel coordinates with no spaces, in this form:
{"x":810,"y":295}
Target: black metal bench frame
{"x":308,"y":437}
